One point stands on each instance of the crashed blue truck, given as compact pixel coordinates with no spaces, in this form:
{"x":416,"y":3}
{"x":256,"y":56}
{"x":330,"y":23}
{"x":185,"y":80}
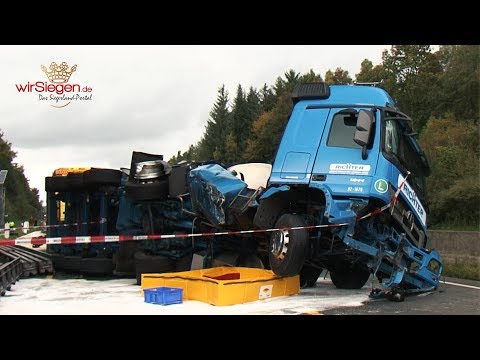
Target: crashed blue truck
{"x":349,"y":156}
{"x":346,"y":193}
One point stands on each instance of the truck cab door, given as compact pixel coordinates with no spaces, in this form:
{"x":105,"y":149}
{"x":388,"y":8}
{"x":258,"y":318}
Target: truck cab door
{"x":339,"y":158}
{"x":297,"y":150}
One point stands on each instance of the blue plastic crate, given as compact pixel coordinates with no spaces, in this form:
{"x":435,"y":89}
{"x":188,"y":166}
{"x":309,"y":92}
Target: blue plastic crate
{"x":163,"y":295}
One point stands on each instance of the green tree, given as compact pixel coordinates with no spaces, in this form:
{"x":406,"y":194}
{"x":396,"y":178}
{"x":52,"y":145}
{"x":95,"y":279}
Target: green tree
{"x":267,"y":131}
{"x":232,"y":153}
{"x":190,"y":155}
{"x":405,"y":61}
{"x":452,"y":148}
{"x":412,"y":78}
{"x":340,"y":76}
{"x":212,"y":144}
{"x":460,"y":81}
{"x":239,"y":126}
{"x":311,"y":76}
{"x":21,"y":202}
{"x":370,"y":73}
{"x":254,"y":105}
{"x":267,"y":98}
{"x":254,"y":109}
{"x":282,"y":86}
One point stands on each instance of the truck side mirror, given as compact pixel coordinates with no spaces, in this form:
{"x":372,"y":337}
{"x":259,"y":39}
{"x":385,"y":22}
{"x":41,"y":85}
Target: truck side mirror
{"x":364,"y":129}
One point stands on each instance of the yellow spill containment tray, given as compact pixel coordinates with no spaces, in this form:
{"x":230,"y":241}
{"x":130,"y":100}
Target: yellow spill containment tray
{"x":226,"y":285}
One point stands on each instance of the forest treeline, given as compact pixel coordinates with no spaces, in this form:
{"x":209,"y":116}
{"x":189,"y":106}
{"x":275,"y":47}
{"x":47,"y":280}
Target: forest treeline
{"x":21,"y":202}
{"x":439,"y":90}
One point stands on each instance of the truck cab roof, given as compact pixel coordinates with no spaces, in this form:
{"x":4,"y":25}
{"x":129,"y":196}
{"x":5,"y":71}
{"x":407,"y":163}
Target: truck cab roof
{"x":339,"y":95}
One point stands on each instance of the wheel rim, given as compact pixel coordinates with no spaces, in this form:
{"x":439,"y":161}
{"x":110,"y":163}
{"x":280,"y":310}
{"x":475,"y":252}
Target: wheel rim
{"x":280,"y":241}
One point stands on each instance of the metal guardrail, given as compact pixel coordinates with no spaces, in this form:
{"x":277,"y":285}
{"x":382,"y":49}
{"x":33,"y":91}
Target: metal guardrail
{"x":10,"y":272}
{"x":34,"y":262}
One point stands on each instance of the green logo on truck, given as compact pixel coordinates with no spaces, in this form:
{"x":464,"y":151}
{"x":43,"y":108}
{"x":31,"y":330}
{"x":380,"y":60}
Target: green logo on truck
{"x":381,"y":186}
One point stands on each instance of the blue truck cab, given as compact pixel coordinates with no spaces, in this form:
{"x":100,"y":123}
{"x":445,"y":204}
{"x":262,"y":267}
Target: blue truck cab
{"x":349,"y":178}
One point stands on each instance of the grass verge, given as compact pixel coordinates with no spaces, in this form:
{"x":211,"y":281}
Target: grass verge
{"x":462,"y":269}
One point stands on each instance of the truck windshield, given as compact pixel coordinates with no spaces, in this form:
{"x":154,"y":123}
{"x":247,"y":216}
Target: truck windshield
{"x":398,"y":144}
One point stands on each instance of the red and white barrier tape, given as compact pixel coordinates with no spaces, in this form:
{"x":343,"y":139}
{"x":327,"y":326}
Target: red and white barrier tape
{"x":118,"y":238}
{"x":392,"y":202}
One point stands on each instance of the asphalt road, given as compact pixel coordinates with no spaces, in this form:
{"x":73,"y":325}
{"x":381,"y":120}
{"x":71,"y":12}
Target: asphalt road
{"x":72,"y":294}
{"x":447,"y":300}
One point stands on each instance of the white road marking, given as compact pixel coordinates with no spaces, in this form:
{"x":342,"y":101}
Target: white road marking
{"x":461,"y":285}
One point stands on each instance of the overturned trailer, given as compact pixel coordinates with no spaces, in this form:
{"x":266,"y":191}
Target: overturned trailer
{"x":199,"y":199}
{"x":150,"y":198}
{"x":346,"y":193}
{"x":82,"y":202}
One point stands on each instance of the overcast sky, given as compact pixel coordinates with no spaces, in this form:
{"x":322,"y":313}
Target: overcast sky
{"x":154,"y":99}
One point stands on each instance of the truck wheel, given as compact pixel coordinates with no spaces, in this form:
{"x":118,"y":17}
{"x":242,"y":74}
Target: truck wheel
{"x":184,"y":263}
{"x":125,"y":263}
{"x":288,"y":248}
{"x":309,"y":276}
{"x":348,"y":276}
{"x":75,"y":181}
{"x":150,"y":264}
{"x":87,"y":266}
{"x":57,"y":183}
{"x":96,"y":176}
{"x":157,"y":190}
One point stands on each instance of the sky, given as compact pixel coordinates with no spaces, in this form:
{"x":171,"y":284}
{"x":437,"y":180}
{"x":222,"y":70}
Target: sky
{"x":154,"y":99}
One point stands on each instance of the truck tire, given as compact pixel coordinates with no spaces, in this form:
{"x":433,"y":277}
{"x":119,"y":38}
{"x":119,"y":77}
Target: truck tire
{"x":348,"y":276}
{"x":288,"y":248}
{"x":96,"y":176}
{"x":76,"y":181}
{"x":184,"y":263}
{"x":151,"y":264}
{"x":124,"y":261}
{"x":309,"y":276}
{"x":149,"y":191}
{"x":87,"y":266}
{"x":57,"y":184}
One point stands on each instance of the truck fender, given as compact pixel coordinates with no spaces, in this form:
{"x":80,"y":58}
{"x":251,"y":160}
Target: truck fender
{"x":268,"y":210}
